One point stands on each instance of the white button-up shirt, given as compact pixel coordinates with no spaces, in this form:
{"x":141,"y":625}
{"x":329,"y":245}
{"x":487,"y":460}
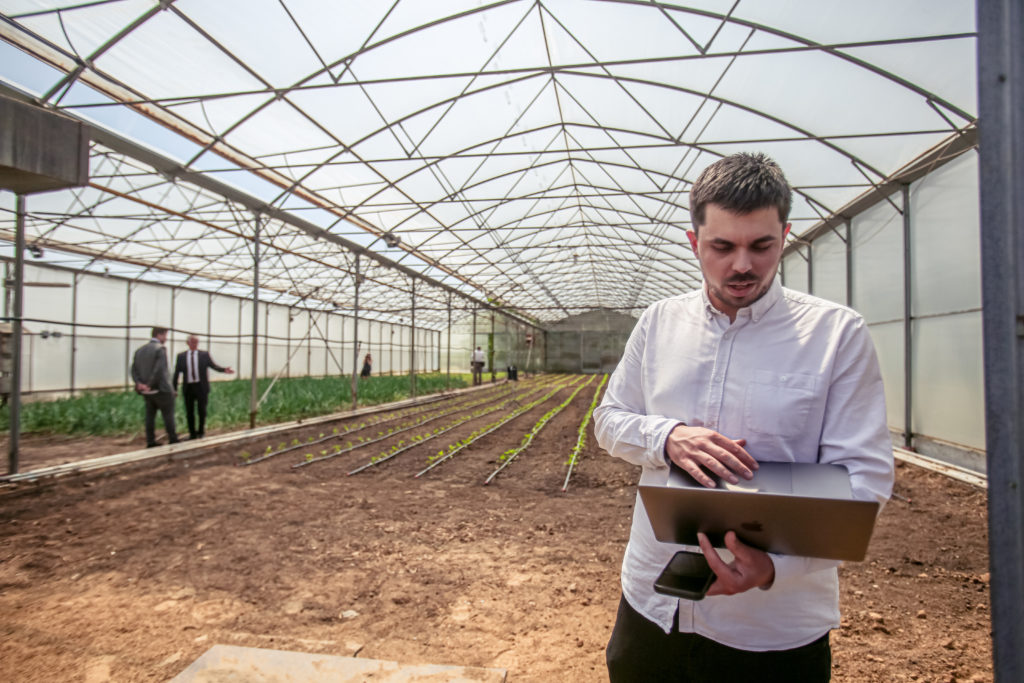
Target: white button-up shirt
{"x":794,"y":375}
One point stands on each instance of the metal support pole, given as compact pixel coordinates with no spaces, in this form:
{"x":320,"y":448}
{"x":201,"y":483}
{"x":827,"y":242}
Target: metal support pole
{"x":288,"y":345}
{"x":490,"y":347}
{"x":1001,"y":108}
{"x":238,"y":339}
{"x":448,"y":376}
{"x":253,"y":385}
{"x":810,"y":269}
{"x":355,"y":341}
{"x":128,"y":383}
{"x":174,"y":303}
{"x":908,"y":331}
{"x":209,"y":322}
{"x":16,"y":331}
{"x":74,"y":328}
{"x":266,"y":340}
{"x":849,"y":263}
{"x":412,"y":349}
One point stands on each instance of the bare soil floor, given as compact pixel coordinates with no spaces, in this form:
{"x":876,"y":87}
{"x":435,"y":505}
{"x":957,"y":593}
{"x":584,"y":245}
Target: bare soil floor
{"x":132,"y":575}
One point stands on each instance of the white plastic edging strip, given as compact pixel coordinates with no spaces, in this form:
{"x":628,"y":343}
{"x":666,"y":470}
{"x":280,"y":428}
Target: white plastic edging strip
{"x":953,"y":471}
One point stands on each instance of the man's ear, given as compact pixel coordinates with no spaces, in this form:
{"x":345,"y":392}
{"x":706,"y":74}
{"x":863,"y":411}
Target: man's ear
{"x":693,"y":241}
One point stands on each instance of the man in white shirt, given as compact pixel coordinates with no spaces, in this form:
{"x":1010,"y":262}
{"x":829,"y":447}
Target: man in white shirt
{"x":715,"y":380}
{"x":477,"y":363}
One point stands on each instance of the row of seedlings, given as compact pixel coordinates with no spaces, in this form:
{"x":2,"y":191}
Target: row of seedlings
{"x":508,"y":456}
{"x":386,"y":417}
{"x":453,"y":449}
{"x":509,"y":393}
{"x":581,"y":438}
{"x":401,"y":446}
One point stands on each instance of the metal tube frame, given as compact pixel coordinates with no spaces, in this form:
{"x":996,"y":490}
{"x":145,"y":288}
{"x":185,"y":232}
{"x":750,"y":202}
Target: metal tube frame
{"x":254,"y":361}
{"x":1001,"y":107}
{"x":908,"y":323}
{"x":412,"y":345}
{"x":355,"y":339}
{"x":14,"y":438}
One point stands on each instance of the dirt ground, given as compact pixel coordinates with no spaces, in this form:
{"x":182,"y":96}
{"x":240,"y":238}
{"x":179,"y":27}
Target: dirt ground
{"x":132,"y":575}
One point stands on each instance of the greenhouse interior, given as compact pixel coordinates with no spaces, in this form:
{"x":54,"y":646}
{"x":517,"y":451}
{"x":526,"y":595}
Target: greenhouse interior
{"x":391,"y":223}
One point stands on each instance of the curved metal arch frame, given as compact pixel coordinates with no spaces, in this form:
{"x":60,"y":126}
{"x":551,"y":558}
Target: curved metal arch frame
{"x":929,"y":97}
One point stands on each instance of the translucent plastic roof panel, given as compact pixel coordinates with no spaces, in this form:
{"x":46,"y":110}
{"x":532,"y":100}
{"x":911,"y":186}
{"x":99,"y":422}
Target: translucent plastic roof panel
{"x":534,"y":153}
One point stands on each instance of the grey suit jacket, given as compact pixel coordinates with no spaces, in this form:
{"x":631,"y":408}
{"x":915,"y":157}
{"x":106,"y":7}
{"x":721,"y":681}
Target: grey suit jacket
{"x":149,"y":366}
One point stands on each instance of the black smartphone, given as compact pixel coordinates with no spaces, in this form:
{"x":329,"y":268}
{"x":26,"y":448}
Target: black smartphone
{"x":687,"y":575}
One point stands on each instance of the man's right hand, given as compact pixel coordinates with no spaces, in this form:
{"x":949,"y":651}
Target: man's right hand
{"x":696,"y":449}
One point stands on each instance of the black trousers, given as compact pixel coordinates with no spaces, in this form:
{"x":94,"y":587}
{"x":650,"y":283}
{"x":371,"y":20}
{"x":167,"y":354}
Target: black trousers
{"x":640,"y":652}
{"x":164,"y":402}
{"x":195,"y":398}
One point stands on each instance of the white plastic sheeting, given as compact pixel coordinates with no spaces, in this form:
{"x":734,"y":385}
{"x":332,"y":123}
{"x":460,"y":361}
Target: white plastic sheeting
{"x":534,"y":153}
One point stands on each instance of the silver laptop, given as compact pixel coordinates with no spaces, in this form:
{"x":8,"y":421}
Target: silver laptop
{"x":788,"y":508}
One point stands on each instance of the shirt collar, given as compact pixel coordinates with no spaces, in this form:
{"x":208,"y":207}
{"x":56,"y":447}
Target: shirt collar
{"x":756,"y":311}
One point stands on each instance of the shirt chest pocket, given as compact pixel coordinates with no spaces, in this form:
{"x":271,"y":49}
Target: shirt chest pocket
{"x":779,"y":403}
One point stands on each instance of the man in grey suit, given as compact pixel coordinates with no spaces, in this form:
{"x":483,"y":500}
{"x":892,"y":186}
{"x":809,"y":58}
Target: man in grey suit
{"x":153,"y":383}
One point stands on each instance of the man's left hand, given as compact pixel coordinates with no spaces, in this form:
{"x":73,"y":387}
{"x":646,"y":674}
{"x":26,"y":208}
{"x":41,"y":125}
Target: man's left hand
{"x":750,"y":568}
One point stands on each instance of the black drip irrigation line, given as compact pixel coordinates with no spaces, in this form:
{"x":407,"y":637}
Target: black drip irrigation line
{"x":379,"y":460}
{"x":337,"y":435}
{"x":582,"y":438}
{"x":496,"y":426}
{"x":328,"y":456}
{"x":538,"y":426}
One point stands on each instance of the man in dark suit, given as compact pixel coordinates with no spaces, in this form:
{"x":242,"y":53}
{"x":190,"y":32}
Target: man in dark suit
{"x":153,"y":383}
{"x":193,"y":366}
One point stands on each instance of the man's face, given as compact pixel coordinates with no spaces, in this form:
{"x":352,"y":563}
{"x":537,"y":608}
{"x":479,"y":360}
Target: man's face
{"x":193,"y":343}
{"x":161,"y":337}
{"x":739,"y":254}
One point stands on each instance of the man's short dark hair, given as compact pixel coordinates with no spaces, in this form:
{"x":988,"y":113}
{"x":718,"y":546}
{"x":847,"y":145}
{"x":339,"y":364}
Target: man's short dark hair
{"x":740,"y":183}
{"x":158,"y":330}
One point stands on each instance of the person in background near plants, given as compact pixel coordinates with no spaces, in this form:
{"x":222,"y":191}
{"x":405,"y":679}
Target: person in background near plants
{"x":477,"y":364}
{"x":194,"y":365}
{"x":153,"y":383}
{"x":712,"y":381}
{"x":367,"y":366}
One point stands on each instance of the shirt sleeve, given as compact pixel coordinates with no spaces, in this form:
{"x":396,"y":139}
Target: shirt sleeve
{"x":854,"y":434}
{"x":621,"y":424}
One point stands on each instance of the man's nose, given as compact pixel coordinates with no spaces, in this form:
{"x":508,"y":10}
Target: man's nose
{"x":742,"y":263}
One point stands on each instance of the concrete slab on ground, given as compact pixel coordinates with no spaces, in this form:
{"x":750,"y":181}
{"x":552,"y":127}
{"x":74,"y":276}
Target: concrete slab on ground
{"x":234,"y":664}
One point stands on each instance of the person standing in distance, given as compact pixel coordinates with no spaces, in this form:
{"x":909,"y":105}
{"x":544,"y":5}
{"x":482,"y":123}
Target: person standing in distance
{"x":193,"y":365}
{"x":713,"y":381}
{"x":153,"y":383}
{"x":477,"y":364}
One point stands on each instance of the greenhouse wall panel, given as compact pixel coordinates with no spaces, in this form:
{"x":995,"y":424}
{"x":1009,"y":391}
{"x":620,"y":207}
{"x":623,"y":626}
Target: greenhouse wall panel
{"x":103,"y":361}
{"x":946,"y":259}
{"x":794,"y":272}
{"x":888,"y":338}
{"x":948,"y":391}
{"x":47,"y":362}
{"x":191,"y":314}
{"x":101,"y":301}
{"x":829,"y":273}
{"x":877,"y":236}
